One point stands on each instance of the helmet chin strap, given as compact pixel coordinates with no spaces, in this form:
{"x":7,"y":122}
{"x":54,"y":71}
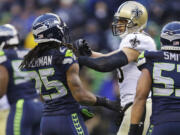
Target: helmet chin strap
{"x":124,"y":34}
{"x":131,"y":30}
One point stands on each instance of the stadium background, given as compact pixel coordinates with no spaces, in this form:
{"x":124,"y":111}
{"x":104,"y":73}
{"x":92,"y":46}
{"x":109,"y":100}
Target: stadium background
{"x":91,"y":20}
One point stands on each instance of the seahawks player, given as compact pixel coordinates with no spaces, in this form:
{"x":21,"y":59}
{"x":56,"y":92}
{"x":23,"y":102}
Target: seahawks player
{"x":55,"y":69}
{"x":129,"y":22}
{"x":25,"y":109}
{"x":161,"y":75}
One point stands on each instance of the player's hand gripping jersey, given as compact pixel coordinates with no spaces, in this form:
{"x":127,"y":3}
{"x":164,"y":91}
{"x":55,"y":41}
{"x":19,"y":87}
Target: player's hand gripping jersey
{"x":129,"y":74}
{"x":19,"y":85}
{"x":164,"y":67}
{"x":49,"y":73}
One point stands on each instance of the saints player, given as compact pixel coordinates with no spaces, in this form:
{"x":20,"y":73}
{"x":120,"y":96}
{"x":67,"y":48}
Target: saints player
{"x":160,"y":75}
{"x":129,"y":22}
{"x":25,"y":109}
{"x":55,"y":69}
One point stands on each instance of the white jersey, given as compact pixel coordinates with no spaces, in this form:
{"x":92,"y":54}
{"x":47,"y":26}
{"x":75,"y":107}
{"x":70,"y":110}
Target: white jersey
{"x":139,"y":42}
{"x":4,"y":103}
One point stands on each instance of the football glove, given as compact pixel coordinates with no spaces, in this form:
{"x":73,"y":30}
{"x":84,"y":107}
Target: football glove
{"x":119,"y":118}
{"x":120,"y":114}
{"x":82,"y":48}
{"x":86,"y":113}
{"x":112,"y":105}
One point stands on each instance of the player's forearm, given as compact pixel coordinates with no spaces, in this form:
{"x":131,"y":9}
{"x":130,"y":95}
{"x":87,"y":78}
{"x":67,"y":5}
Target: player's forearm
{"x":105,"y":63}
{"x":3,"y":80}
{"x":137,"y":110}
{"x":84,"y":97}
{"x":142,"y":92}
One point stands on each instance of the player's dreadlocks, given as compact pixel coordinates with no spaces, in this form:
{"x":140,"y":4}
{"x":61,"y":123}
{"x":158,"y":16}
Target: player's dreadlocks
{"x":35,"y":53}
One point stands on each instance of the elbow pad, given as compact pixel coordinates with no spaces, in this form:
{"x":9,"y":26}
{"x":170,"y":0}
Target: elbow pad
{"x":105,"y":63}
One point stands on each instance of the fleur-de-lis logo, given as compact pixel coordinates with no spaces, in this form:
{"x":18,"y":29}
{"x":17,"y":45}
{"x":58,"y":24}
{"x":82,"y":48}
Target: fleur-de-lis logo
{"x":134,"y":42}
{"x":137,"y":12}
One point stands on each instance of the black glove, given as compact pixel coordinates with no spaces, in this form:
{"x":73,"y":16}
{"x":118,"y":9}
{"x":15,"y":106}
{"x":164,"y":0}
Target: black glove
{"x":136,"y":129}
{"x":120,"y":115}
{"x":112,"y":105}
{"x":86,"y":112}
{"x":119,"y":118}
{"x":82,"y":48}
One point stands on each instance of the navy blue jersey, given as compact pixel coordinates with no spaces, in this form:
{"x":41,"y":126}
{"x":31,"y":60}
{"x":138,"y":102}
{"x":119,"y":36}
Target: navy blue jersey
{"x":19,"y":85}
{"x":49,"y":72}
{"x":164,"y":67}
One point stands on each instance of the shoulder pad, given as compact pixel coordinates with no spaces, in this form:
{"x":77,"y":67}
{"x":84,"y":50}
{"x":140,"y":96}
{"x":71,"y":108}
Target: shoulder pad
{"x":3,"y":57}
{"x":69,"y":57}
{"x":2,"y":53}
{"x":69,"y":53}
{"x":139,"y":42}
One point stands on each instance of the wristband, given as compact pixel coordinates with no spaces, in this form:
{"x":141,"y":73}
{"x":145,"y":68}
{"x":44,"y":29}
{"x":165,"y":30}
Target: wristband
{"x":135,"y":129}
{"x":100,"y":101}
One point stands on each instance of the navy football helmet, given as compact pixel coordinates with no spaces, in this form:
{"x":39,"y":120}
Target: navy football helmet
{"x":170,"y":36}
{"x":49,"y":27}
{"x":8,"y":36}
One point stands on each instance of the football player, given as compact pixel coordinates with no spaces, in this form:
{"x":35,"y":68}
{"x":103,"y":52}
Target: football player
{"x":129,"y":22}
{"x":55,"y":69}
{"x":160,"y":75}
{"x":25,"y":108}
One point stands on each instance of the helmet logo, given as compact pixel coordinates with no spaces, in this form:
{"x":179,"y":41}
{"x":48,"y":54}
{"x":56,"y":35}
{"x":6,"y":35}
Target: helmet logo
{"x":134,"y":42}
{"x":169,"y":33}
{"x":136,"y":13}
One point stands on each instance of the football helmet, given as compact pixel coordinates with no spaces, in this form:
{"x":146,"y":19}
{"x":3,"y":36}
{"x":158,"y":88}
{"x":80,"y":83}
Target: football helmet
{"x":170,"y":36}
{"x":49,"y":27}
{"x":130,"y":17}
{"x":8,"y":36}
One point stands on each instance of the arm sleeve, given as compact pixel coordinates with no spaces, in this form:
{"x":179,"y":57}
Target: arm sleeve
{"x":143,"y":61}
{"x":105,"y":63}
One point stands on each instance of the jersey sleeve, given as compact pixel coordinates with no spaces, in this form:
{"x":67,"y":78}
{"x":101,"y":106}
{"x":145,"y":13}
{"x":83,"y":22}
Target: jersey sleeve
{"x":69,"y":59}
{"x":139,"y":42}
{"x":143,"y":61}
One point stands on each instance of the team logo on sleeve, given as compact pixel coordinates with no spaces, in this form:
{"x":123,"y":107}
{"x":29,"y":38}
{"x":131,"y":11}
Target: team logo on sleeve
{"x":134,"y":42}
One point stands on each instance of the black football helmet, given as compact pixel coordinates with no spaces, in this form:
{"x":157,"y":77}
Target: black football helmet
{"x":50,"y":27}
{"x":170,"y":36}
{"x":8,"y":36}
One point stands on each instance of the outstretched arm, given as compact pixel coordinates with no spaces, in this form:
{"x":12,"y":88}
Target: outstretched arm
{"x":110,"y":61}
{"x":104,"y":62}
{"x":4,"y":78}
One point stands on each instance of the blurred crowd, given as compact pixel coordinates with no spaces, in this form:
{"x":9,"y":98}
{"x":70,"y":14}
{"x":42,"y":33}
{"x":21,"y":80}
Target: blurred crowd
{"x":91,"y":20}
